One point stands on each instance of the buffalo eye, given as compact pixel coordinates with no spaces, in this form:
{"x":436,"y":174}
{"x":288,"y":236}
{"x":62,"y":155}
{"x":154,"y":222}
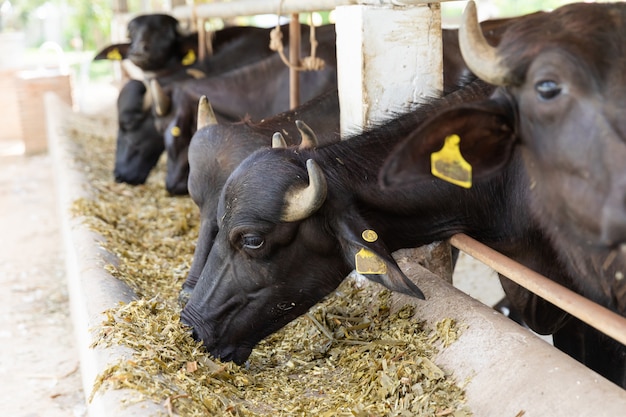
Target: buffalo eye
{"x":548,"y":89}
{"x":250,"y":241}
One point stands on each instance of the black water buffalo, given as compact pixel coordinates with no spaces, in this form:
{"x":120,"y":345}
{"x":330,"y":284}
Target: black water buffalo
{"x":156,"y":44}
{"x":217,"y":149}
{"x":255,"y":91}
{"x":292,"y":223}
{"x":557,"y":117}
{"x":159,"y":48}
{"x":139,"y":145}
{"x":151,"y":36}
{"x":184,"y":98}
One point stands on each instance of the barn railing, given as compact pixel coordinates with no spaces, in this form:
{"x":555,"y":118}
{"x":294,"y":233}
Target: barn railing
{"x":591,"y":313}
{"x":254,"y":7}
{"x":595,"y":315}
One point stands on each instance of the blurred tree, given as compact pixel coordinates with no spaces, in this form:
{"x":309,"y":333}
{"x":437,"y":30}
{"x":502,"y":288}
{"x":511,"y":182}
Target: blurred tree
{"x":84,"y":23}
{"x":90,"y":21}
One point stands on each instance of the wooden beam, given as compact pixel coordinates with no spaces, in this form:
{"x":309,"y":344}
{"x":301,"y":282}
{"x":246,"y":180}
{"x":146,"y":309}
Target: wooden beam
{"x":254,"y":7}
{"x":294,"y":60}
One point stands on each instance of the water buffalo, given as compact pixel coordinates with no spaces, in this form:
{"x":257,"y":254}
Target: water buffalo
{"x":217,"y":149}
{"x":282,"y":244}
{"x":559,"y":110}
{"x":158,"y":47}
{"x":156,"y":44}
{"x":233,"y":142}
{"x":139,"y":145}
{"x":150,"y":37}
{"x":184,"y":98}
{"x":255,"y":91}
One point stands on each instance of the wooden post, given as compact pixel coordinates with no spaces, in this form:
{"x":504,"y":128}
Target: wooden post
{"x":202,"y":41}
{"x":294,"y":59}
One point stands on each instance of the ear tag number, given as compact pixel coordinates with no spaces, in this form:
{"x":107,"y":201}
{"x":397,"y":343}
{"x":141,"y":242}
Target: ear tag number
{"x":175,"y":131}
{"x":449,"y":165}
{"x":369,"y":235}
{"x":114,"y":55}
{"x":367,"y":262}
{"x":189,"y":58}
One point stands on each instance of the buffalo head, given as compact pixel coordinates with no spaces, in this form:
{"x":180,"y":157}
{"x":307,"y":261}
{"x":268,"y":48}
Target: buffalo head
{"x":277,"y":252}
{"x":217,"y":149}
{"x":156,"y":43}
{"x":561,"y":101}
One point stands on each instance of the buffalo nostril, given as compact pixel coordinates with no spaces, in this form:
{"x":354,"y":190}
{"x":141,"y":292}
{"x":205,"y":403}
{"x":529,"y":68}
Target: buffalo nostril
{"x":118,"y":177}
{"x":195,"y":335}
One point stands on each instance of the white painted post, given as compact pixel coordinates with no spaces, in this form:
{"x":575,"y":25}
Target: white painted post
{"x":388,"y":58}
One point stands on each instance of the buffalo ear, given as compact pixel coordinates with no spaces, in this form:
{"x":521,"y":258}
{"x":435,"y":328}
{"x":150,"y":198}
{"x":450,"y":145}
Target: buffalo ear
{"x":113,"y":52}
{"x":487,"y":137}
{"x":188,"y":49}
{"x":369,"y":256}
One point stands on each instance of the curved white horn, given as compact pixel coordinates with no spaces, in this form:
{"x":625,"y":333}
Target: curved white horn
{"x":159,"y":98}
{"x":196,"y":73}
{"x":278,"y":141}
{"x":206,"y":116}
{"x":301,"y":202}
{"x":309,"y":139}
{"x":481,"y":58}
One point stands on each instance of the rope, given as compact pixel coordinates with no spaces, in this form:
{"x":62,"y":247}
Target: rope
{"x":194,"y":15}
{"x":309,"y":63}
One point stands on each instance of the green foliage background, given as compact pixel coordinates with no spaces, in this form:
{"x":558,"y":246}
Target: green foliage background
{"x":91,"y":20}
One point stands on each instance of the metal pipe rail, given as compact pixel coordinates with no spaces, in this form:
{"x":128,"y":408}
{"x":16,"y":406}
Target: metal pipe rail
{"x":603,"y":319}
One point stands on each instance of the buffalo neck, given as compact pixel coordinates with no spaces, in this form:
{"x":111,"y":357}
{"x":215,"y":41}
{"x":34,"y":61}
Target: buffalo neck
{"x":493,"y":210}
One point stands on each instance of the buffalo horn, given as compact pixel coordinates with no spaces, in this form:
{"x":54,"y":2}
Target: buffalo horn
{"x":301,"y":202}
{"x":278,"y":141}
{"x":206,"y":116}
{"x":147,"y":99}
{"x":160,"y":99}
{"x":481,"y":58}
{"x":196,"y":73}
{"x":309,"y":139}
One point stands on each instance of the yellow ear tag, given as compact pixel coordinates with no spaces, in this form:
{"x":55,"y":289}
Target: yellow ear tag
{"x":369,"y":235}
{"x":175,"y":131}
{"x":190,"y":58}
{"x":449,"y":165}
{"x":114,"y":55}
{"x":367,"y":262}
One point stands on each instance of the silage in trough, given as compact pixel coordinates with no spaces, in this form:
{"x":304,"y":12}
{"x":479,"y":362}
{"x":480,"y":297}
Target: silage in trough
{"x":352,"y":354}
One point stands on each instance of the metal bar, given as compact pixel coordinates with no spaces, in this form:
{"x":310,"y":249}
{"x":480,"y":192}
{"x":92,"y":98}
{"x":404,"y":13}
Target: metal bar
{"x":603,"y":319}
{"x":294,"y":60}
{"x":254,"y":7}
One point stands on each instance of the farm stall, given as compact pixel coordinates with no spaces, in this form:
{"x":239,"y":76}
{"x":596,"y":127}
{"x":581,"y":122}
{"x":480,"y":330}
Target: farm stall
{"x":482,"y":346}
